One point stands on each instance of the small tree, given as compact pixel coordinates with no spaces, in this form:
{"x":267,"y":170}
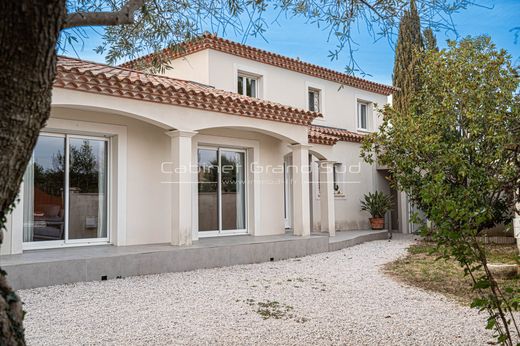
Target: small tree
{"x":455,"y":153}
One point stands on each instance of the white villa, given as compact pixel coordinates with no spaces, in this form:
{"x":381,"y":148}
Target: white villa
{"x":231,"y":140}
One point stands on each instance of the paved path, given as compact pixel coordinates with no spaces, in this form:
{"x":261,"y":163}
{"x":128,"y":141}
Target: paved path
{"x":327,"y":299}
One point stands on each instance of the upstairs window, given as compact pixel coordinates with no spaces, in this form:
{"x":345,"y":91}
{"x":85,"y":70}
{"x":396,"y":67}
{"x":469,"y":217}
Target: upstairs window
{"x":314,"y":100}
{"x":362,"y":116}
{"x":247,"y":85}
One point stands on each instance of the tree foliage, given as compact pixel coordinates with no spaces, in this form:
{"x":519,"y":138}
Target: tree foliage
{"x":409,"y":43}
{"x":160,"y":24}
{"x":429,"y":39}
{"x":455,"y":153}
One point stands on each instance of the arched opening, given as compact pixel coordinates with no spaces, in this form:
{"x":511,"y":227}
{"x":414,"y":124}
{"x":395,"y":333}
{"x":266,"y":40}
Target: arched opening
{"x":259,"y":208}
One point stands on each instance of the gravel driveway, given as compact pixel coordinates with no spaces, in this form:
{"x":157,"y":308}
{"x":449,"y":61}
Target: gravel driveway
{"x":333,"y":298}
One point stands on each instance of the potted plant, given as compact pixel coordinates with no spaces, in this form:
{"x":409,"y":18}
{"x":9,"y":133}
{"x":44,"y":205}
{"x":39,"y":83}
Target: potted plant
{"x":377,"y":204}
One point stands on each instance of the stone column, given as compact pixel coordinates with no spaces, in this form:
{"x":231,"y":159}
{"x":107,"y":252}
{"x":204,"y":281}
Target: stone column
{"x":301,"y":206}
{"x":328,"y":218}
{"x":181,"y":186}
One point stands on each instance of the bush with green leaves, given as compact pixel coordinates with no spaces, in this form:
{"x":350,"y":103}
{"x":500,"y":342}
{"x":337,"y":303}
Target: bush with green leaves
{"x":455,"y":153}
{"x":377,"y":204}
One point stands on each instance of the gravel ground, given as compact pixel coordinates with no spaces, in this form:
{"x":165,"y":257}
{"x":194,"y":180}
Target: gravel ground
{"x":332,"y":298}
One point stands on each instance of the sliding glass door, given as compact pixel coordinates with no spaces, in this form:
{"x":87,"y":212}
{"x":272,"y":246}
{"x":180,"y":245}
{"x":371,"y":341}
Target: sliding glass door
{"x":222,"y":191}
{"x":65,"y":191}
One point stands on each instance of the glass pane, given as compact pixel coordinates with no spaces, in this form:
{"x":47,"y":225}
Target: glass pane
{"x":44,"y":186}
{"x":208,"y":189}
{"x":252,"y":87}
{"x":311,"y":101}
{"x":87,"y":188}
{"x":363,"y":115}
{"x":233,"y":190}
{"x":240,"y":85}
{"x":316,"y":101}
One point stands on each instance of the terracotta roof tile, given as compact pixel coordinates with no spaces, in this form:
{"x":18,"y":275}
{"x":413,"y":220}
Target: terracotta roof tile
{"x":331,"y":135}
{"x":121,"y":82}
{"x":209,"y":41}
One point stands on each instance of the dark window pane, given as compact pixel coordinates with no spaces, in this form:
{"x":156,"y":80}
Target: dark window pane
{"x":253,"y":88}
{"x":208,"y":189}
{"x":240,"y":85}
{"x":363,"y":116}
{"x":314,"y":100}
{"x":233,"y":190}
{"x":311,"y":101}
{"x":250,"y":87}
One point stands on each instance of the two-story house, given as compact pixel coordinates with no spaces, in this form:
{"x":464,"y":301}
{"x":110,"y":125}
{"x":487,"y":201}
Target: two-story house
{"x":229,"y":140}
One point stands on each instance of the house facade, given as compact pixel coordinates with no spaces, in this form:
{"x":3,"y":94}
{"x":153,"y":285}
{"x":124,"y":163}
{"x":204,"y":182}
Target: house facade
{"x":230,"y":140}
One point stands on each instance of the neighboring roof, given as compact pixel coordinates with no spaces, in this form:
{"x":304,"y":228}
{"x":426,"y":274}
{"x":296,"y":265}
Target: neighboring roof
{"x":121,"y":82}
{"x":209,"y":41}
{"x":331,"y":135}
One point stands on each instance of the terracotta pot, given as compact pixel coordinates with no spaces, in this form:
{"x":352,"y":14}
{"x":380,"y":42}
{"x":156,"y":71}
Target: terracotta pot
{"x":377,"y":222}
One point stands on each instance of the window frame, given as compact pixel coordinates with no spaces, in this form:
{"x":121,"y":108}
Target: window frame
{"x":220,"y":231}
{"x":320,"y":103}
{"x":311,"y":84}
{"x":252,"y":77}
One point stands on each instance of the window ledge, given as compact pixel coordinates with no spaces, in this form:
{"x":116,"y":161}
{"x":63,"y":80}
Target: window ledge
{"x":363,"y":130}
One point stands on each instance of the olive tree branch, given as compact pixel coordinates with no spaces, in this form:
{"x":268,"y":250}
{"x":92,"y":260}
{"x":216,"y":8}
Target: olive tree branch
{"x":124,"y":16}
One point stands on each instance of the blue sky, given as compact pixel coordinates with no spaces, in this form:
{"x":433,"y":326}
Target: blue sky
{"x":295,"y":38}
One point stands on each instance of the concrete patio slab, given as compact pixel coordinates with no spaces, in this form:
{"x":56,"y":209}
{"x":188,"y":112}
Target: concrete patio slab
{"x":39,"y":268}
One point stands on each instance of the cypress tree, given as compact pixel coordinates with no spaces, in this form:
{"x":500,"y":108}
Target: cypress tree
{"x":430,"y":42}
{"x":409,"y":44}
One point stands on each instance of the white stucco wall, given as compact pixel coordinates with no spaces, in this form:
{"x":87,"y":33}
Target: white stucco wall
{"x":339,"y":103}
{"x":194,"y":67}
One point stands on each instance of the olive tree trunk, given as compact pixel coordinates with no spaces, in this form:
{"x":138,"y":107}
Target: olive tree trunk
{"x":28,"y":34}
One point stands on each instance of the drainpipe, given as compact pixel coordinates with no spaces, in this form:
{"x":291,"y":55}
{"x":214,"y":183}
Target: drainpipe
{"x":516,"y":228}
{"x":516,"y":223}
